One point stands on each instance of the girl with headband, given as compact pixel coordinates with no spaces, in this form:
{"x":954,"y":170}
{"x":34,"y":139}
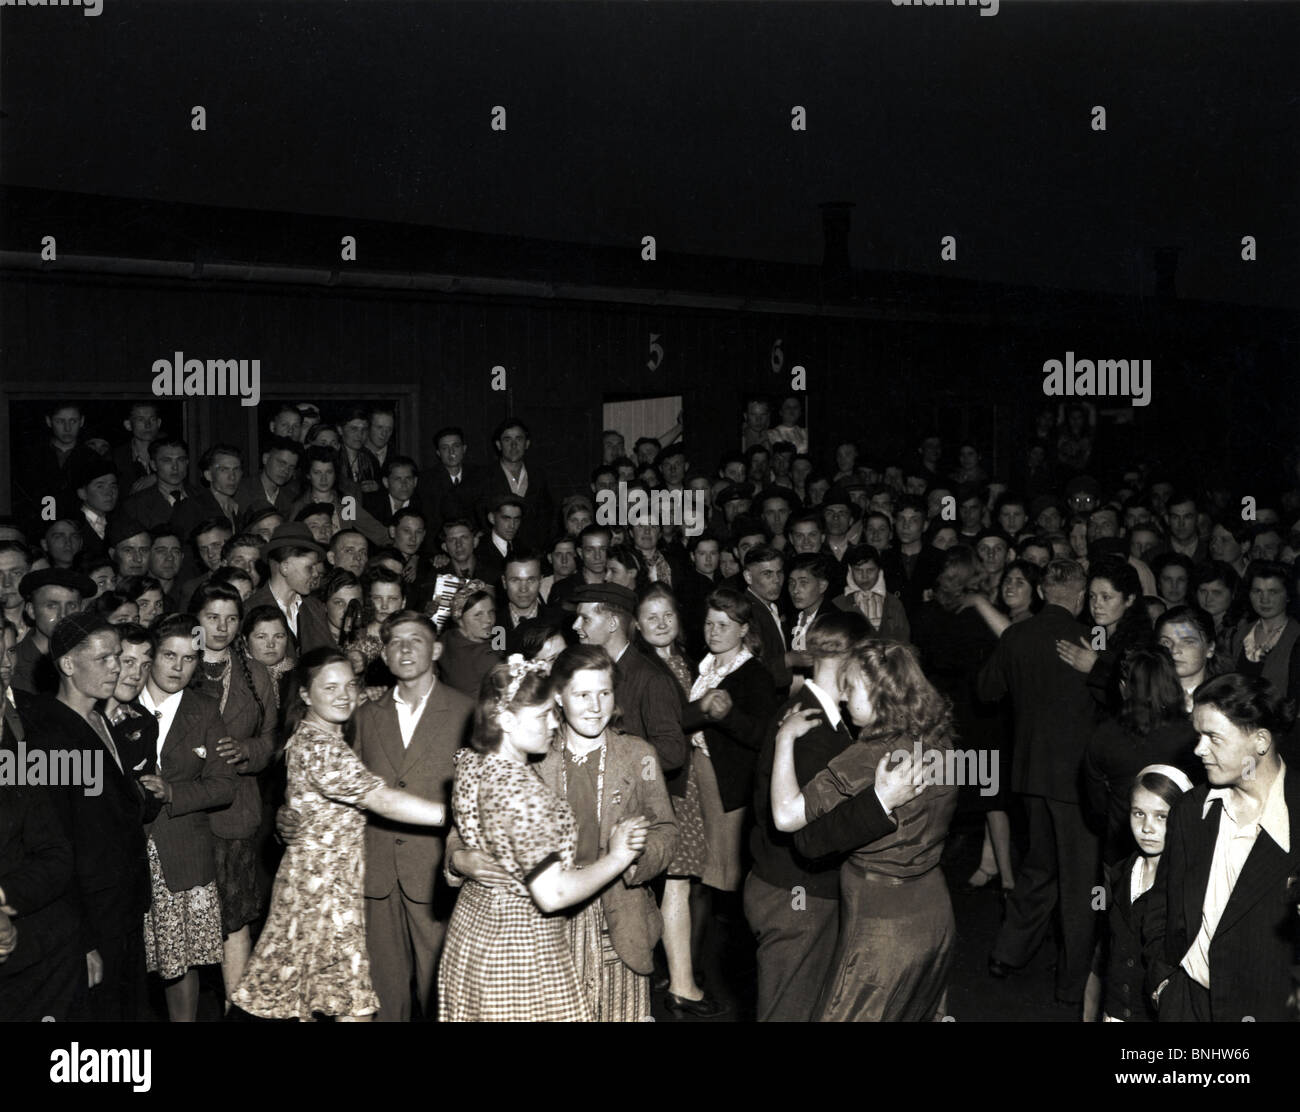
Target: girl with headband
{"x":1155,"y":790}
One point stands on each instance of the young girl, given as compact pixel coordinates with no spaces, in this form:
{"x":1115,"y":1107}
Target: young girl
{"x":1155,"y":790}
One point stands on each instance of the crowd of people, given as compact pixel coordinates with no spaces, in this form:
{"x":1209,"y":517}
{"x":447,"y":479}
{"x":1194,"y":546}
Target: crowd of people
{"x":381,"y":742}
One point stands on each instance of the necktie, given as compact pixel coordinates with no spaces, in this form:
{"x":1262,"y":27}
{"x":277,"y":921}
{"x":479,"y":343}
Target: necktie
{"x":176,"y":496}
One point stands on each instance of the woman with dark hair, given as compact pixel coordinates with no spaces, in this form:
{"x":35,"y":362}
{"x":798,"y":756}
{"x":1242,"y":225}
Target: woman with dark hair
{"x":1114,"y":595}
{"x":1214,"y":590}
{"x":659,"y":633}
{"x":508,"y":957}
{"x":148,"y":595}
{"x":344,"y":608}
{"x":238,"y":578}
{"x":266,"y":636}
{"x":118,"y":607}
{"x":311,"y":957}
{"x":467,"y":653}
{"x":1017,"y":597}
{"x":624,"y":566}
{"x":1154,"y":791}
{"x":1152,"y":727}
{"x":1188,"y":633}
{"x":1230,"y":542}
{"x":245,"y":693}
{"x":1265,"y":643}
{"x":896,"y":927}
{"x":730,"y":701}
{"x":542,"y":641}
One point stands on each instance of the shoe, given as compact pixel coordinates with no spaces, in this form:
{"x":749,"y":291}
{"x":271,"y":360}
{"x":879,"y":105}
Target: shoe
{"x":1000,"y":969}
{"x":704,"y":1008}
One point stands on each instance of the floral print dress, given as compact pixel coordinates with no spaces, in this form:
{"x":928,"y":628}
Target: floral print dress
{"x":311,"y":957}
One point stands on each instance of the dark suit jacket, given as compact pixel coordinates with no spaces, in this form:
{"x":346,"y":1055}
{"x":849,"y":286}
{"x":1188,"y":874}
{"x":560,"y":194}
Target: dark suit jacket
{"x":775,"y":858}
{"x":1054,"y":714}
{"x":36,"y":872}
{"x":151,"y":507}
{"x":489,"y":564}
{"x":396,"y":853}
{"x":630,"y":908}
{"x":201,"y":782}
{"x":449,"y":502}
{"x":1126,"y":998}
{"x":910,"y":589}
{"x":539,"y":507}
{"x":245,"y":721}
{"x":734,"y":742}
{"x":313,"y":620}
{"x":1254,"y":945}
{"x":111,"y":877}
{"x":774,"y":646}
{"x":198,"y":508}
{"x":651,"y":702}
{"x":894,"y":625}
{"x":250,"y":492}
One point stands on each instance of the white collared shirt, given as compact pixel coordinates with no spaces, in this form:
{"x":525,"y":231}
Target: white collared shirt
{"x":409,"y":714}
{"x":165,"y":712}
{"x":501,"y":546}
{"x":290,"y":612}
{"x":1231,"y":848}
{"x":829,"y":707}
{"x":394,"y":505}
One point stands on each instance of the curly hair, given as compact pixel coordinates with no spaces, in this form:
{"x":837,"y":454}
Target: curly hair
{"x":903,"y":701}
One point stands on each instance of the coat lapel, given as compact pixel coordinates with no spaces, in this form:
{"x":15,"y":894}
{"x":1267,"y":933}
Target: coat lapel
{"x":390,"y":732}
{"x":1267,"y":866}
{"x":1202,"y":834}
{"x":179,"y":734}
{"x":618,"y":789}
{"x":434,"y":710}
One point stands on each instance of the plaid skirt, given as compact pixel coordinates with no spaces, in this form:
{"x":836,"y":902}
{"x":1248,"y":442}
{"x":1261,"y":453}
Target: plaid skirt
{"x":504,"y":961}
{"x":181,"y":929}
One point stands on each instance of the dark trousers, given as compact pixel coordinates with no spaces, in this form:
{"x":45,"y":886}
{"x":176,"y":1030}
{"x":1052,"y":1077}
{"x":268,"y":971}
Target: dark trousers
{"x":122,"y":995}
{"x":403,"y":938}
{"x":52,"y":988}
{"x":796,"y":936}
{"x":1059,"y":873}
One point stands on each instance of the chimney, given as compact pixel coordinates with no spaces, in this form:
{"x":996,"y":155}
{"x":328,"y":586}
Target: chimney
{"x":837,"y":217}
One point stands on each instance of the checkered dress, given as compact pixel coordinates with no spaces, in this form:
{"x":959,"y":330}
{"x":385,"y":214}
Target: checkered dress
{"x":503,"y":959}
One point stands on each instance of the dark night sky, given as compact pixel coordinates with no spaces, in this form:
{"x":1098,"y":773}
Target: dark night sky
{"x":673,"y":119}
